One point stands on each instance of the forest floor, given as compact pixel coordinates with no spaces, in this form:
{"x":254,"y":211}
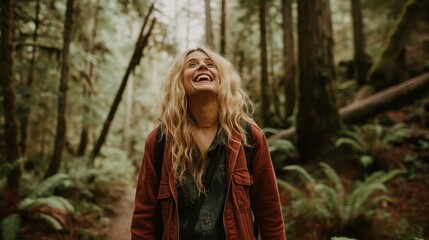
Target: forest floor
{"x":121,"y":218}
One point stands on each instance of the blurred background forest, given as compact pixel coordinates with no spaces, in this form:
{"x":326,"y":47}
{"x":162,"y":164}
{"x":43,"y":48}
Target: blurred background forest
{"x":340,"y":89}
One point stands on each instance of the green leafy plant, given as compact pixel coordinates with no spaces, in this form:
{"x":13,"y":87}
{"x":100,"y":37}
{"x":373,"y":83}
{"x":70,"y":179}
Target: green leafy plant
{"x":10,"y":226}
{"x":329,"y":203}
{"x":40,"y":204}
{"x":371,"y":140}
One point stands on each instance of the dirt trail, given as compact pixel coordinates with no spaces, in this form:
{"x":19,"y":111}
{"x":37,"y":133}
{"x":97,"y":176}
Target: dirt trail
{"x":121,"y":222}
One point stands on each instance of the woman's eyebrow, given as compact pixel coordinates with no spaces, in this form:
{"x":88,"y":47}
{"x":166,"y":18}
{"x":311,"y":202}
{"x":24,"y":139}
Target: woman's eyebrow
{"x":195,"y":59}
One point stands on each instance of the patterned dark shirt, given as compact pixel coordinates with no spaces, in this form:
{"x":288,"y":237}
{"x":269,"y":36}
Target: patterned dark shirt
{"x":210,"y":221}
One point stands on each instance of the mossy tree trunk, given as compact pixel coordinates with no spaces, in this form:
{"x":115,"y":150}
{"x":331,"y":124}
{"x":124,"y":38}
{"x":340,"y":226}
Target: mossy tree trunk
{"x":387,"y":69}
{"x":264,"y":84}
{"x":317,"y":118}
{"x":12,"y":154}
{"x":25,"y":109}
{"x":88,"y":88}
{"x":289,"y":59}
{"x":62,"y":94}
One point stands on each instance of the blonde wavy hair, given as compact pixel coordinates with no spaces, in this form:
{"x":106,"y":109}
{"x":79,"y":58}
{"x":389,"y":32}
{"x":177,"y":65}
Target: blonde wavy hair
{"x":177,"y":125}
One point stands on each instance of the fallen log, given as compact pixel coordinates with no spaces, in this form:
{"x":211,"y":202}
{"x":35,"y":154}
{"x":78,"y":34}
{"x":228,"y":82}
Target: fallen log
{"x":375,"y":103}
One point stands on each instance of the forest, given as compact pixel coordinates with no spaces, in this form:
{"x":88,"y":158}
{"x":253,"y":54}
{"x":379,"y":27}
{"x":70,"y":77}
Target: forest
{"x":340,"y":88}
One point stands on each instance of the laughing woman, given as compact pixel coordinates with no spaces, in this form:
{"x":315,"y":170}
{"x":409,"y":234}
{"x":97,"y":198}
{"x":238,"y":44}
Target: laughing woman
{"x":207,"y":185}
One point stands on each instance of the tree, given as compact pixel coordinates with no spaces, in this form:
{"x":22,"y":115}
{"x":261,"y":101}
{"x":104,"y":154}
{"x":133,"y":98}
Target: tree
{"x":209,"y":24}
{"x":26,"y":109}
{"x":317,"y":118}
{"x":141,"y":43}
{"x":90,"y":79}
{"x":265,"y":97}
{"x":12,"y":154}
{"x":360,"y":58}
{"x":388,"y":69}
{"x":62,"y":97}
{"x":222,"y":27}
{"x":289,"y":58}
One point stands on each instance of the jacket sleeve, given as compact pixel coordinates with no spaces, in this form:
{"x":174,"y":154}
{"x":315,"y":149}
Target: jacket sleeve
{"x":264,"y":192}
{"x":146,"y":219}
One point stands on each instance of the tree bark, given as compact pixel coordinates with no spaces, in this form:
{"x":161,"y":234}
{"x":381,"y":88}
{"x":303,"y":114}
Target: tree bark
{"x":364,"y":108}
{"x":26,"y":109}
{"x":360,"y":61}
{"x":62,"y":97}
{"x":223,"y":27}
{"x":209,"y":24}
{"x":87,"y":88}
{"x":141,"y":43}
{"x":317,"y":118}
{"x":289,"y":59}
{"x":265,"y":96}
{"x":12,"y":154}
{"x":386,"y":71}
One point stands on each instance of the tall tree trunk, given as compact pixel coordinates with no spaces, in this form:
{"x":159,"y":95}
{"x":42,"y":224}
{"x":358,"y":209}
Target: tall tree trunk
{"x":289,"y":59}
{"x":386,"y":71}
{"x":141,"y":43}
{"x":317,"y":117}
{"x":126,"y":133}
{"x":265,"y":96}
{"x":360,"y":60}
{"x":209,"y":24}
{"x":62,"y":97}
{"x":88,"y":88}
{"x":26,"y":108}
{"x":11,"y":192}
{"x":223,"y":27}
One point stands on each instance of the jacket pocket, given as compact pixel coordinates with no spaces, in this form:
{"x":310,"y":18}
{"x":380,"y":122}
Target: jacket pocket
{"x":164,"y":200}
{"x":242,"y":182}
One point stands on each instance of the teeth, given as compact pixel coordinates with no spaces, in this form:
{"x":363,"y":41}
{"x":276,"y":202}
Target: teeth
{"x":202,"y":76}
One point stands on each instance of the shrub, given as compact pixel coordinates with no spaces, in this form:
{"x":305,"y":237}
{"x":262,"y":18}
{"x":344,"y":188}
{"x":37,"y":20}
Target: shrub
{"x":329,"y":204}
{"x":371,"y":140}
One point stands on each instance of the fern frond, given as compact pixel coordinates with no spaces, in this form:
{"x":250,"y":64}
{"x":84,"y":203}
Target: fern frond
{"x":54,"y":202}
{"x":296,"y":192}
{"x":53,"y":222}
{"x":10,"y":226}
{"x":281,"y":145}
{"x":333,"y":176}
{"x":308,"y":179}
{"x":46,"y":187}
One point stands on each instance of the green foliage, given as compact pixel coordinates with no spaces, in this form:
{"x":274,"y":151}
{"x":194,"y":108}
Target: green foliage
{"x":10,"y":226}
{"x":46,"y":187}
{"x":330,"y":203}
{"x":369,"y":141}
{"x":55,"y":202}
{"x":283,"y":146}
{"x":53,"y":210}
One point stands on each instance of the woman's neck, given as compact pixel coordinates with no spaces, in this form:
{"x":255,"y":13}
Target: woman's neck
{"x":204,"y":112}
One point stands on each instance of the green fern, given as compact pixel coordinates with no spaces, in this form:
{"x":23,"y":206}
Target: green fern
{"x":47,"y":187}
{"x":54,"y":202}
{"x":56,"y":213}
{"x":10,"y":226}
{"x":282,"y":146}
{"x":369,"y":141}
{"x":330,"y":202}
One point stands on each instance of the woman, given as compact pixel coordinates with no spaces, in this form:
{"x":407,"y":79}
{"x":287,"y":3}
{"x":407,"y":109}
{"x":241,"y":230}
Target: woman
{"x":206,"y":190}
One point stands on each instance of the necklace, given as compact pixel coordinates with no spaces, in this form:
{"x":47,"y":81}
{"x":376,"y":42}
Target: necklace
{"x":207,"y":126}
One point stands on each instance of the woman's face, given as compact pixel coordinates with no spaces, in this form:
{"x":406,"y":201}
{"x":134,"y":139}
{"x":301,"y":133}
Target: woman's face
{"x":200,"y":75}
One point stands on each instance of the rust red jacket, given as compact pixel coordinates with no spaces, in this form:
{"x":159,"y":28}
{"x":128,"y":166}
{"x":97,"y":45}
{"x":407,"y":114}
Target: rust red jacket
{"x":156,"y":215}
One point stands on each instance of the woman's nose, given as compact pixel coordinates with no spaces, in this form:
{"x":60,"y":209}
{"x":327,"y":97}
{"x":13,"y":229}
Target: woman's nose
{"x":202,"y":65}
